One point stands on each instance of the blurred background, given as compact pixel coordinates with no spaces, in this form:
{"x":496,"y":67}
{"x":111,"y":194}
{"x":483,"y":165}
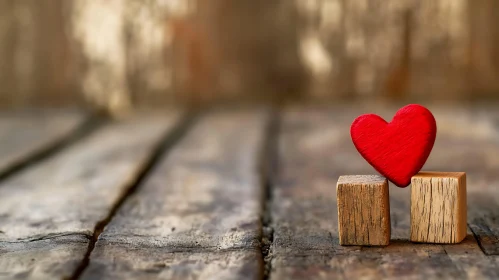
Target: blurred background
{"x":115,"y":55}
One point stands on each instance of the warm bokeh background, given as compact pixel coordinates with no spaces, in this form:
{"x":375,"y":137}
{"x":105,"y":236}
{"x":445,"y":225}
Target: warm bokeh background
{"x":117,"y":54}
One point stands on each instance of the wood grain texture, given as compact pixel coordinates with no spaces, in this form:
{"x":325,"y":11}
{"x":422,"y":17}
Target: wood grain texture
{"x":197,"y":216}
{"x":459,"y":150}
{"x":482,"y":219}
{"x":46,"y":258}
{"x":438,"y":207}
{"x":116,"y":261}
{"x":27,"y":134}
{"x":303,"y":211}
{"x":314,"y":150}
{"x":48,"y":213}
{"x":363,"y":210}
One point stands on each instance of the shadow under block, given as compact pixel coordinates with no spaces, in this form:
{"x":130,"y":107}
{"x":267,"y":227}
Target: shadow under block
{"x":438,"y":207}
{"x":363,"y":210}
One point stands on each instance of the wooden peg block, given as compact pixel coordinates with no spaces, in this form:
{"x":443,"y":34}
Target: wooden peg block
{"x":438,"y":207}
{"x":363,"y":210}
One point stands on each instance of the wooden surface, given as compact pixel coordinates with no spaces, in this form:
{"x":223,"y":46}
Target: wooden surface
{"x":48,"y":213}
{"x":363,"y":210}
{"x":197,"y":216}
{"x":27,"y":135}
{"x":236,"y":194}
{"x":314,"y":151}
{"x":438,"y":207}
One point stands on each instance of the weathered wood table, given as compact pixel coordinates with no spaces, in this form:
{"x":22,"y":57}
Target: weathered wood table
{"x":225,"y":194}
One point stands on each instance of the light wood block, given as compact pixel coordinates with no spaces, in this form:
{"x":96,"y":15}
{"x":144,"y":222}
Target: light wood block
{"x":438,"y":207}
{"x":363,"y":210}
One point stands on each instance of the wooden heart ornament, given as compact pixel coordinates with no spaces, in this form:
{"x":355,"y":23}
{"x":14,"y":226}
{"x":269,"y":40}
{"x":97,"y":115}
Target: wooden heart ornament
{"x":400,"y":148}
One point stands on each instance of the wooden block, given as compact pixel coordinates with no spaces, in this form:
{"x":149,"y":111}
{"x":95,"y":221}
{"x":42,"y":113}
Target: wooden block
{"x":363,"y":210}
{"x":438,"y":207}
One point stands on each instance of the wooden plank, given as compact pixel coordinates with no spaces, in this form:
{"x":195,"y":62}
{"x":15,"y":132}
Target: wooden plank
{"x":48,"y":212}
{"x":114,"y":261}
{"x":49,"y":258}
{"x":25,"y":135}
{"x":314,"y":150}
{"x":304,"y":215}
{"x":482,"y":221}
{"x":198,"y":214}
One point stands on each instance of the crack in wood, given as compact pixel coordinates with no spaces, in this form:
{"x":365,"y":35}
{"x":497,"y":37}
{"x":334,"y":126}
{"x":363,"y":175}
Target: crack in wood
{"x":46,"y":237}
{"x":269,"y":165}
{"x":478,"y":238}
{"x":169,"y":141}
{"x":89,"y":125}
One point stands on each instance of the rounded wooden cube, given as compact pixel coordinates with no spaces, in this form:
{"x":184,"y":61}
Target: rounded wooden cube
{"x":363,"y":210}
{"x":438,"y":207}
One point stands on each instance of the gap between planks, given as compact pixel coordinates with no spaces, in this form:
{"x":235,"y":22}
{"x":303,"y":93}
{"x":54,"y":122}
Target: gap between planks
{"x":201,"y":209}
{"x":81,"y":129}
{"x":269,"y":167}
{"x":48,"y":212}
{"x":169,"y":139}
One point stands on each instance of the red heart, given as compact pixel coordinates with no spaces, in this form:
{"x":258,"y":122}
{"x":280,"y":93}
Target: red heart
{"x":400,"y":148}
